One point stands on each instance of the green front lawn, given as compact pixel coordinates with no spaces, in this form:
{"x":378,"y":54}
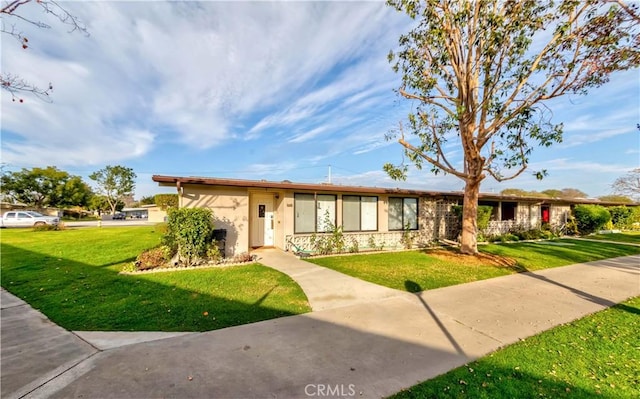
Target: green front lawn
{"x":595,"y":357}
{"x":421,"y":270}
{"x":632,"y":237}
{"x":72,"y":277}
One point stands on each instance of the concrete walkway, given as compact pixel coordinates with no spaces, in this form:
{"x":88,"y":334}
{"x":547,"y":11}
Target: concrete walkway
{"x":325,"y":288}
{"x":370,"y":349}
{"x":36,"y":351}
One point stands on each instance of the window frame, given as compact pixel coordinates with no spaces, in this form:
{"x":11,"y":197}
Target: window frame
{"x":315,"y":212}
{"x":417,"y":200}
{"x":360,"y":229}
{"x":335,"y":212}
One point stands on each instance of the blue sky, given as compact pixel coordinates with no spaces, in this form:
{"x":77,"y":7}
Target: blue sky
{"x":260,"y":90}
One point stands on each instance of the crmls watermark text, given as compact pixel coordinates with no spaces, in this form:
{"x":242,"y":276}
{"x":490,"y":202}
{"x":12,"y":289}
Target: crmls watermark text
{"x":324,"y":390}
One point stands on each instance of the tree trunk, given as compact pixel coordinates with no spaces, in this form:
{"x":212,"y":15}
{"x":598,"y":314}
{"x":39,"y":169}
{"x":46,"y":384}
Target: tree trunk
{"x":112,"y":204}
{"x":469,"y":242}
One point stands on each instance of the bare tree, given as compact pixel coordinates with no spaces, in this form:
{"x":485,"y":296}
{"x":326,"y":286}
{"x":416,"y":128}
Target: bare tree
{"x":10,"y":17}
{"x":629,"y":184}
{"x":480,"y":73}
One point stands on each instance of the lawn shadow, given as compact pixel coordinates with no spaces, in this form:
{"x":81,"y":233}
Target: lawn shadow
{"x":84,"y":297}
{"x":488,"y":379}
{"x":581,"y":251}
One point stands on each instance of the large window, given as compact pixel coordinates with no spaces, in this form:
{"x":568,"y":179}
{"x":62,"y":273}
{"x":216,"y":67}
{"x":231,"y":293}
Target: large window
{"x":403,"y":213}
{"x":326,"y":212}
{"x":314,"y":213}
{"x":359,"y":213}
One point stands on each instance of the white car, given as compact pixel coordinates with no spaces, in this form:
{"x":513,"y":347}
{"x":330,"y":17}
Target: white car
{"x":27,"y":219}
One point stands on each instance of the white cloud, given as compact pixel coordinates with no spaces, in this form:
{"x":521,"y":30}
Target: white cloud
{"x":185,"y":72}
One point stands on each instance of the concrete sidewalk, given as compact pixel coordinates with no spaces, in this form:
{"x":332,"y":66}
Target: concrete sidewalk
{"x":34,"y":350}
{"x":370,"y":349}
{"x":325,"y":288}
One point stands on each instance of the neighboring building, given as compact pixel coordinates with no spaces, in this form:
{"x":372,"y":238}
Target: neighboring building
{"x":135,"y":213}
{"x":275,"y":214}
{"x":155,"y":214}
{"x":10,"y":206}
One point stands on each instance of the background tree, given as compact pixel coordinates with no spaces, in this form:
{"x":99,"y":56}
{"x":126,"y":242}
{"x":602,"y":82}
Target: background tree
{"x":41,"y":187}
{"x":552,"y":193}
{"x":75,"y":192}
{"x":165,"y":201}
{"x":116,"y":183}
{"x":567,"y":193}
{"x":623,"y":199}
{"x":148,"y":200}
{"x":11,"y":17}
{"x":480,"y":73}
{"x":521,"y":193}
{"x":100,"y":204}
{"x":628,"y":184}
{"x":573,"y":193}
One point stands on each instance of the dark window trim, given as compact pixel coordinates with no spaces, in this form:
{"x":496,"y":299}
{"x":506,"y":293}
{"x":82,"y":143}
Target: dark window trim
{"x":335,"y":210}
{"x":417,"y":212}
{"x":360,"y":215}
{"x":295,"y":219}
{"x":315,"y":212}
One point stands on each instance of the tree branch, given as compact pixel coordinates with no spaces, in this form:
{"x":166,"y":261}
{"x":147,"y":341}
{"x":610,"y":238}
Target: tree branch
{"x":432,"y":161}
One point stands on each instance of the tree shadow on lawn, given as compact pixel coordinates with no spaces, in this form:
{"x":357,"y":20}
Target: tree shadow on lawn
{"x":487,"y":381}
{"x":85,"y":297}
{"x":574,"y":252}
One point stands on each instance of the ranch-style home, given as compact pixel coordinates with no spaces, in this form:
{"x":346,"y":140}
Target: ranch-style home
{"x":260,"y":213}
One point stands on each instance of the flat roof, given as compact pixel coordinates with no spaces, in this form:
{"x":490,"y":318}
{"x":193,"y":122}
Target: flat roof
{"x":163,"y":180}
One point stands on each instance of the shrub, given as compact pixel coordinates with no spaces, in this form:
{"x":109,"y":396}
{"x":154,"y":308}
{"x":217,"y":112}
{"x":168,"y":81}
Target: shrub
{"x":509,"y":237}
{"x":162,"y":228}
{"x":570,"y":228}
{"x":190,"y":233}
{"x":407,"y":238}
{"x":621,"y":217}
{"x":528,"y":234}
{"x":49,"y":227}
{"x":213,"y":252}
{"x":590,"y":218}
{"x":153,"y":258}
{"x":354,"y":248}
{"x":635,"y":218}
{"x":330,"y":243}
{"x":547,"y":234}
{"x":482,"y":218}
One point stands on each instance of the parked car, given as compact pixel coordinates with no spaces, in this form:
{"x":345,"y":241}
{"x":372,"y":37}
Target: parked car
{"x":27,"y":219}
{"x":119,"y":216}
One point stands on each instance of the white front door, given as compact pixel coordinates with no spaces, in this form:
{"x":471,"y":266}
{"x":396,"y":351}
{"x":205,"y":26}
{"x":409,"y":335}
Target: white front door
{"x":262,"y":221}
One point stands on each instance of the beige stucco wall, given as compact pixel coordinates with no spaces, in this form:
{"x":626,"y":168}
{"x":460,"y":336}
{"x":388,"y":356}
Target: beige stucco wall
{"x":284,"y":217}
{"x":156,"y":214}
{"x":230,"y":211}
